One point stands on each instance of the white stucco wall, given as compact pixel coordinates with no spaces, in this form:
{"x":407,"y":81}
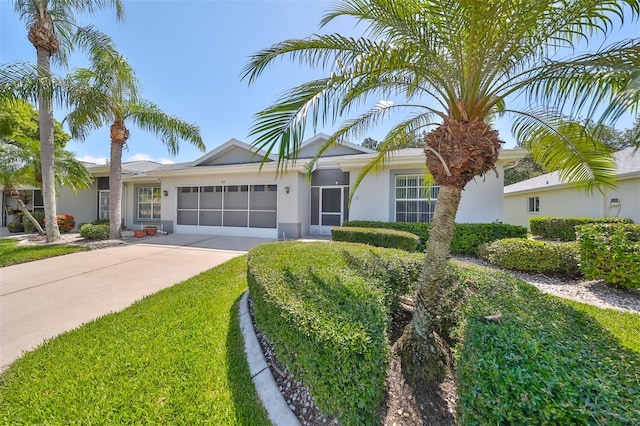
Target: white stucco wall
{"x":628,"y":194}
{"x":565,"y":202}
{"x":371,"y":201}
{"x":482,"y":198}
{"x":83,"y":205}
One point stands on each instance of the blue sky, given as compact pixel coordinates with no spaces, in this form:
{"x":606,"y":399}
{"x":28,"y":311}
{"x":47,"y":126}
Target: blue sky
{"x":188,"y":56}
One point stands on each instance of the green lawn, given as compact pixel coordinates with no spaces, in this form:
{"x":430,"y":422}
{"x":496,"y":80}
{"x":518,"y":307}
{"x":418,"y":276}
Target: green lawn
{"x":11,"y":253}
{"x":176,"y":357}
{"x":625,"y":326}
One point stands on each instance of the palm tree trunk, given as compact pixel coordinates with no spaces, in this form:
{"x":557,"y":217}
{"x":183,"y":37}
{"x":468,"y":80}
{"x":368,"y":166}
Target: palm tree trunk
{"x":423,"y":349}
{"x":115,"y":191}
{"x":45,"y":112}
{"x":23,"y":208}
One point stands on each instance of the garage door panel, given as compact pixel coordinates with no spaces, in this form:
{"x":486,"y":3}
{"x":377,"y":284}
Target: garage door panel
{"x":263,"y":219}
{"x":187,"y":218}
{"x":235,"y":218}
{"x":211,"y":197}
{"x":210,"y":218}
{"x":249,"y":210}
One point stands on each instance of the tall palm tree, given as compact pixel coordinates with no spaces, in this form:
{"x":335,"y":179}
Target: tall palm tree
{"x":457,"y":65}
{"x":108,"y":93}
{"x":53,"y":31}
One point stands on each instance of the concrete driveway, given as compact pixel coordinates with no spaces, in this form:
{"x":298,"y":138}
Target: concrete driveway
{"x":41,"y":299}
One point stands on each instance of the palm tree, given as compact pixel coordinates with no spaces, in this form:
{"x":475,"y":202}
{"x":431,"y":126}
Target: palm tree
{"x":108,"y":93}
{"x":20,"y":167}
{"x":53,"y":30}
{"x":457,"y":65}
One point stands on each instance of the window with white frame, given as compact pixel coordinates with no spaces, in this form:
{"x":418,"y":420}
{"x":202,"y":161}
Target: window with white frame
{"x":415,"y":199}
{"x":534,"y":204}
{"x":149,"y":202}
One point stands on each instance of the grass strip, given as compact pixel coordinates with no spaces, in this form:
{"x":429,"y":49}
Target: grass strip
{"x":175,"y":357}
{"x":625,"y":326}
{"x":11,"y":253}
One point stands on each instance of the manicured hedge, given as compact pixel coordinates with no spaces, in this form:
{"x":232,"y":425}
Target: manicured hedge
{"x":466,"y":239}
{"x":94,"y":232}
{"x":388,"y":238}
{"x":521,"y":254}
{"x":326,"y":307}
{"x":469,"y":236}
{"x":564,"y":228}
{"x":542,"y":362}
{"x":611,"y":252}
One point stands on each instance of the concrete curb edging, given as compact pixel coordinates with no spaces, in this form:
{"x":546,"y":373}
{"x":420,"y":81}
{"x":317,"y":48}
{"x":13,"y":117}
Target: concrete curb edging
{"x":279,"y":412}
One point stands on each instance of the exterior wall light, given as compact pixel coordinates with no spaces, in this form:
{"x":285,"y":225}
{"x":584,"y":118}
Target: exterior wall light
{"x":165,"y":193}
{"x":286,"y":189}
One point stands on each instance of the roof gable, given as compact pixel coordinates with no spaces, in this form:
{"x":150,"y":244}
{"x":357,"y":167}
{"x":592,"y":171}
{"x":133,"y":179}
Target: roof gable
{"x":310,"y":147}
{"x":231,"y":152}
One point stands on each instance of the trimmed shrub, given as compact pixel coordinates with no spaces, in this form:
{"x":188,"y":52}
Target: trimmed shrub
{"x":611,"y":252}
{"x":326,"y":308}
{"x":94,"y":232}
{"x":564,"y":228}
{"x":469,"y":236}
{"x":466,"y":239}
{"x":28,"y":226}
{"x":388,"y":238}
{"x":542,"y":362}
{"x":543,"y":257}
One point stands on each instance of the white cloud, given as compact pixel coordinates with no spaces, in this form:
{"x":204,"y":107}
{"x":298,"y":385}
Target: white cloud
{"x":383,"y":104}
{"x":147,"y":157}
{"x":94,"y":160}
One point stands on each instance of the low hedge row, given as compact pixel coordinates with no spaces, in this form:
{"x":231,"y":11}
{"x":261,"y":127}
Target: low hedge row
{"x":542,"y":257}
{"x":611,"y":252}
{"x":564,"y":228}
{"x":542,"y":362}
{"x":466,"y":239}
{"x":326,"y":308}
{"x":388,"y":238}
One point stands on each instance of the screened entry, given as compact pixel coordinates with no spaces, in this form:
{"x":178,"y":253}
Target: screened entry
{"x":234,"y":208}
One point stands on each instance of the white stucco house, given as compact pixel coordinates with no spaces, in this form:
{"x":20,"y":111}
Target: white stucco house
{"x":225,"y":192}
{"x":547,"y":195}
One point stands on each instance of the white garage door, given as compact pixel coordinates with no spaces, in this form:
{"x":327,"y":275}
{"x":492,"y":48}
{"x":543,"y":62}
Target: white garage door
{"x":236,"y":210}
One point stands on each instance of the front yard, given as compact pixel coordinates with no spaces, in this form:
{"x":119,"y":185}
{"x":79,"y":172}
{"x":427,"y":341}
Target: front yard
{"x":177,"y":357}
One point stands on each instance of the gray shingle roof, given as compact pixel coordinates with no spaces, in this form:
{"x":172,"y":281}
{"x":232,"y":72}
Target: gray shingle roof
{"x":627,"y":162}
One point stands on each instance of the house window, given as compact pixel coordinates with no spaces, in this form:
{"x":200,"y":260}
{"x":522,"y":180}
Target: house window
{"x":415,"y":200}
{"x":149,"y":202}
{"x":534,"y":204}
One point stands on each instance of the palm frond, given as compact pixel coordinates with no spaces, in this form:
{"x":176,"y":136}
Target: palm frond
{"x":567,"y":147}
{"x":170,"y":129}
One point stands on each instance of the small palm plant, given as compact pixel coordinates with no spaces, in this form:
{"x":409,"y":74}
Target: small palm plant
{"x":457,"y":65}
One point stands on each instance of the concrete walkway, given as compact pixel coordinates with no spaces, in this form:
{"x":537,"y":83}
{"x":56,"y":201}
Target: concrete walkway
{"x":41,"y":299}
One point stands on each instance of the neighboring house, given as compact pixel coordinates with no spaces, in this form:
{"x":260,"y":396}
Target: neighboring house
{"x":225,"y":192}
{"x":547,"y":195}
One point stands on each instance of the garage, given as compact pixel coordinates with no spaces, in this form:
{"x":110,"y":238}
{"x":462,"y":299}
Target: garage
{"x":234,"y":210}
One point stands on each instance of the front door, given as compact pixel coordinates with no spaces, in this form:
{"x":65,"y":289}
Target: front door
{"x":328,"y":208}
